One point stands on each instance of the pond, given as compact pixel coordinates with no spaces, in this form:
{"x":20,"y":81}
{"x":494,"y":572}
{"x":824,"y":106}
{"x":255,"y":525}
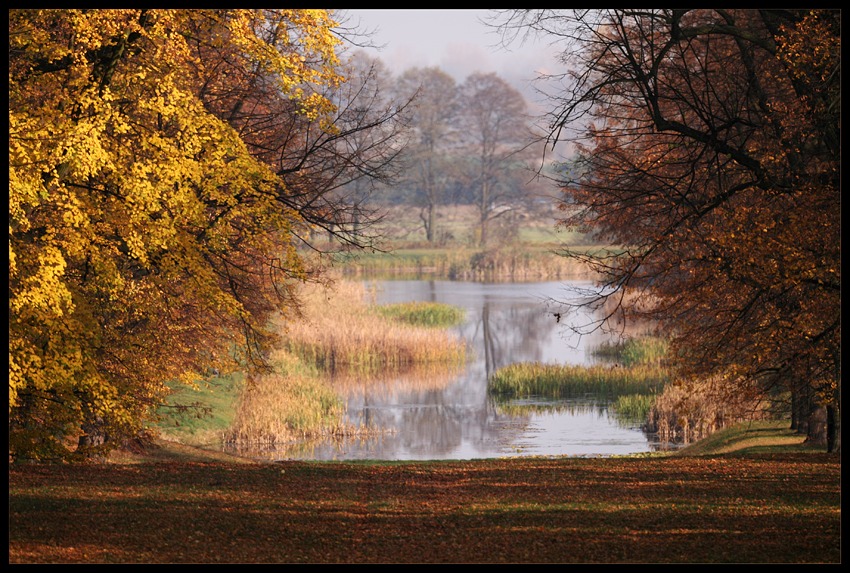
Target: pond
{"x":425,"y":418}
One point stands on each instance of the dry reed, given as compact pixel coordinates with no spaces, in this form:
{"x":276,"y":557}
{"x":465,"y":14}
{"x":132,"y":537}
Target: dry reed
{"x":291,"y":403}
{"x":689,"y":411}
{"x":336,"y":343}
{"x":339,"y":332}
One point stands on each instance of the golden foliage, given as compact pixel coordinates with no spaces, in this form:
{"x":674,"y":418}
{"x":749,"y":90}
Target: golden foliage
{"x":144,"y":236}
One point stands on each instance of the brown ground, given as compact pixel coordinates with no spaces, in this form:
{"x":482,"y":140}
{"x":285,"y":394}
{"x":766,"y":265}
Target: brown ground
{"x":770,"y":508}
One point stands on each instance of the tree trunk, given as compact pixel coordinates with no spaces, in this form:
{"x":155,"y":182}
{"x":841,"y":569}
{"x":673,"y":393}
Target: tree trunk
{"x":817,"y":426}
{"x":802,"y":410}
{"x":485,"y":198}
{"x":795,"y":409}
{"x":833,"y":435}
{"x":427,"y":221}
{"x":93,"y":436}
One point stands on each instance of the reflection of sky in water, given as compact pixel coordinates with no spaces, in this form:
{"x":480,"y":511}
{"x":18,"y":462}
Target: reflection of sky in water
{"x":521,"y":316}
{"x":505,"y":323}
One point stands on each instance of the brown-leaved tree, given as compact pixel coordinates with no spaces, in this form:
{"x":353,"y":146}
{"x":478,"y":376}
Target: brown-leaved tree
{"x":709,"y":153}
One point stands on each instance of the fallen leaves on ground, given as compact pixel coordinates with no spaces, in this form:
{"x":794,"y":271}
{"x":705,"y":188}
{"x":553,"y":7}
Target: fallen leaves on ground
{"x":771,"y":508}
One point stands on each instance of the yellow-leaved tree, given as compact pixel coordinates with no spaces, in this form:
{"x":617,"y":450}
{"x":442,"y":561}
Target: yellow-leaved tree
{"x":151,"y":234}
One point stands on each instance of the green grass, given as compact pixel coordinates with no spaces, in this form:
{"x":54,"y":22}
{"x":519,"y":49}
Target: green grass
{"x":565,"y":381}
{"x":750,"y":438}
{"x":633,"y":408}
{"x":196,"y":415}
{"x":428,"y":314}
{"x":633,"y":351}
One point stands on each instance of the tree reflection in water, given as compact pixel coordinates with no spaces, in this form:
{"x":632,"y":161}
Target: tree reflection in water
{"x":448,"y":415}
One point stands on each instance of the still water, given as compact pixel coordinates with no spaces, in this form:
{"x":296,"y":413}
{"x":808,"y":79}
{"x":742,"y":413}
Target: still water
{"x":450,"y":416}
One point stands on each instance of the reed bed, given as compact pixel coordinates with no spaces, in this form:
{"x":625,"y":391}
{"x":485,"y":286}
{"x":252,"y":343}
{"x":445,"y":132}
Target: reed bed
{"x":574,"y":407}
{"x":633,"y":351}
{"x":525,"y":264}
{"x":633,"y":408}
{"x":420,"y":313}
{"x":291,"y":403}
{"x":338,"y":343}
{"x":565,"y":381}
{"x":339,"y":332}
{"x":689,"y":411}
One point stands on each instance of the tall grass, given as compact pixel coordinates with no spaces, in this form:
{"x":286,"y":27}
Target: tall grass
{"x":418,"y":313}
{"x":684,"y":411}
{"x":633,"y":351}
{"x":339,"y":332}
{"x":290,"y":403}
{"x":633,"y":408}
{"x":567,"y":381}
{"x":338,"y":341}
{"x":536,"y":406}
{"x":692,"y":410}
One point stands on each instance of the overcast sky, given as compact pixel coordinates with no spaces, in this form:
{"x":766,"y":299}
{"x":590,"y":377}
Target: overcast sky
{"x":457,"y":41}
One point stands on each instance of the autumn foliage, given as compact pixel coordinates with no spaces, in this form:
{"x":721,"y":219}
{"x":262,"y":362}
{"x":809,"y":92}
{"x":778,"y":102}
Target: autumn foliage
{"x":708,"y":147}
{"x":155,"y":204}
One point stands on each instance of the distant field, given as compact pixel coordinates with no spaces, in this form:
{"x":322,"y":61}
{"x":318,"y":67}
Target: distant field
{"x":458,"y":225}
{"x":522,"y":247}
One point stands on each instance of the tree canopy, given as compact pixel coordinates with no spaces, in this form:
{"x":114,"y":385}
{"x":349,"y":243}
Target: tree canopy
{"x":708,"y":150}
{"x":164,"y":165}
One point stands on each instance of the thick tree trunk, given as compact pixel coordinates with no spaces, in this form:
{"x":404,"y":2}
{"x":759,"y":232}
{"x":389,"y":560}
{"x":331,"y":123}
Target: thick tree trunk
{"x":833,"y":434}
{"x":795,"y":409}
{"x":93,"y":436}
{"x":817,"y":426}
{"x":803,"y":408}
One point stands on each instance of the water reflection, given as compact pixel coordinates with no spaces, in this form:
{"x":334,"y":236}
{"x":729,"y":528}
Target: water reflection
{"x":450,"y":416}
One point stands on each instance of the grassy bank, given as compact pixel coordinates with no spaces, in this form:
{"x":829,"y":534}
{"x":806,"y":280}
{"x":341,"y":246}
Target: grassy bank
{"x":339,"y":338}
{"x":772,"y":437}
{"x":197,"y":416}
{"x":750,"y":438}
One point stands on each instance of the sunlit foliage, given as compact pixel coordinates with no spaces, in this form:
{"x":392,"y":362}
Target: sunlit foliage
{"x":149,"y":237}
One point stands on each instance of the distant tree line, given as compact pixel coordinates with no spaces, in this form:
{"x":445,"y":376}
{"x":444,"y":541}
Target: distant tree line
{"x":470,"y":143}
